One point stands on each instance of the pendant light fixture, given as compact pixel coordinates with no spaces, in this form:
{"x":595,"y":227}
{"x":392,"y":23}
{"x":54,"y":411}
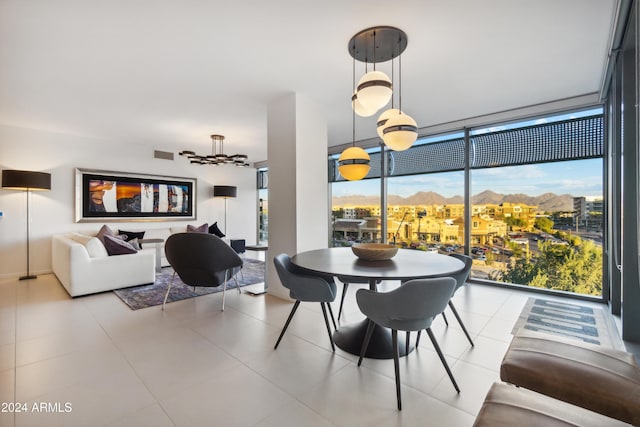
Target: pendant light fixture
{"x":217,"y":155}
{"x":398,"y":130}
{"x":375,"y":45}
{"x":374,"y":89}
{"x":360,"y":109}
{"x":384,"y":118}
{"x":353,"y":163}
{"x":372,"y":46}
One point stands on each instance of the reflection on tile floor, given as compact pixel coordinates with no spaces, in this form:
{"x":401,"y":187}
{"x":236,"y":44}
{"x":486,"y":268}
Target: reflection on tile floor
{"x":93,"y":361}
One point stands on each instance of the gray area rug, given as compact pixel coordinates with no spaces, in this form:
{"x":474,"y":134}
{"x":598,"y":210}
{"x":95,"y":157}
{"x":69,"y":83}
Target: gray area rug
{"x":143,"y":296}
{"x":571,"y":320}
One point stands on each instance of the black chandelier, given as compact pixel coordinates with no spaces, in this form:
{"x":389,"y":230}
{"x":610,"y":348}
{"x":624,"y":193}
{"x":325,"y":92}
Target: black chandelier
{"x":217,"y":156}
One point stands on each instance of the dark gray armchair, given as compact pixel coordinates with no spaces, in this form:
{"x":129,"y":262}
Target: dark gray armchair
{"x":304,"y":286}
{"x":411,"y":307}
{"x":201,"y":259}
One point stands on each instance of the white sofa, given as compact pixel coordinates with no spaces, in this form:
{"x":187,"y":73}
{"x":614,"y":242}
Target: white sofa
{"x":82,"y":265}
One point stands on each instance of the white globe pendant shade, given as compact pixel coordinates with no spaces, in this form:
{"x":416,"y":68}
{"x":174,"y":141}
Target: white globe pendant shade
{"x":400,"y":132}
{"x":353,"y":164}
{"x":384,"y":117}
{"x":374,"y":90}
{"x":360,"y":109}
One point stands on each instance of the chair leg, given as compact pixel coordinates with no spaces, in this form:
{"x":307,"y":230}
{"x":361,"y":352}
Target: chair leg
{"x":235,"y":278}
{"x":367,"y":338}
{"x":442,"y":359}
{"x":418,"y":338}
{"x":455,"y":313}
{"x":406,"y":352}
{"x":224,"y":288}
{"x":326,"y":322}
{"x":446,"y":322}
{"x":333,"y":320}
{"x":344,"y":292}
{"x":286,"y":325}
{"x":168,"y":290}
{"x":396,"y":365}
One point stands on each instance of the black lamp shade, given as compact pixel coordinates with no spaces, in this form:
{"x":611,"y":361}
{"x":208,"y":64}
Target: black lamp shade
{"x":226,"y":191}
{"x":25,"y":180}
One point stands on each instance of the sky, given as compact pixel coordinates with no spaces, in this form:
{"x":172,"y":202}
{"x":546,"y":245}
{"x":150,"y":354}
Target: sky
{"x":577,"y":178}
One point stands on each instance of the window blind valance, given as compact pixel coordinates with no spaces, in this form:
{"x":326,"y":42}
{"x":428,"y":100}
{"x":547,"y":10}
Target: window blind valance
{"x":573,"y":139}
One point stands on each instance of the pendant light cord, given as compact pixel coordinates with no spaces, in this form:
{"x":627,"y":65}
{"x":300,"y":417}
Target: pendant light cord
{"x":353,"y":109}
{"x":374,"y":50}
{"x":400,"y":80}
{"x":392,"y":80}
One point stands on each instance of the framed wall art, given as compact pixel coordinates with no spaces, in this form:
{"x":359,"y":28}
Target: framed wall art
{"x":119,"y":196}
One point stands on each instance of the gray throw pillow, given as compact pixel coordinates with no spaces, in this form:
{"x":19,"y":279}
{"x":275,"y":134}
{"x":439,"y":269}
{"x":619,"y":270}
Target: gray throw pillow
{"x":134,"y":243}
{"x":204,"y":228}
{"x":105,"y":230}
{"x":117,"y":246}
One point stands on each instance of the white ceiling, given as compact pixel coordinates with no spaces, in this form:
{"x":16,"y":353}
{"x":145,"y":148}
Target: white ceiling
{"x":169,"y":73}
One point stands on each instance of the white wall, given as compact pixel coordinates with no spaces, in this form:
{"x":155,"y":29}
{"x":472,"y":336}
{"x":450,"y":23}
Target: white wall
{"x":53,"y":212}
{"x":297,"y":152}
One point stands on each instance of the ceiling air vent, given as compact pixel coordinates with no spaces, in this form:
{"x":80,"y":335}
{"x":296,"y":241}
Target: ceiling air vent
{"x":165,"y":155}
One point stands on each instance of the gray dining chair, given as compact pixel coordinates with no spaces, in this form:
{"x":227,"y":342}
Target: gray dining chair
{"x":411,"y":307}
{"x":201,"y":259}
{"x":346,"y":281}
{"x":307,"y":287}
{"x":461,"y":278}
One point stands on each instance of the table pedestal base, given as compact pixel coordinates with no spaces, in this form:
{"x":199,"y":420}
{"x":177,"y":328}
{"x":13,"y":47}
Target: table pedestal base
{"x":350,"y":339}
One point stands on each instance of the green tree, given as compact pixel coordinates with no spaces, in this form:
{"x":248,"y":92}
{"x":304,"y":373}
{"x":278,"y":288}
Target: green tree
{"x":544,"y":224}
{"x":574,"y":240}
{"x":516,"y":249}
{"x":490,"y":258}
{"x":515,"y":222}
{"x":561,"y":267}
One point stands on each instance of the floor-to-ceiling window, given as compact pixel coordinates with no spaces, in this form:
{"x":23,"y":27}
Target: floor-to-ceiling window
{"x":425,"y":187}
{"x":356,"y":205}
{"x":537,"y":202}
{"x":535,"y":208}
{"x":263,"y":205}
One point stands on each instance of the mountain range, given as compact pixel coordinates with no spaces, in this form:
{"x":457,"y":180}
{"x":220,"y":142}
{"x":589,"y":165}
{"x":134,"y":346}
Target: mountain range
{"x":547,"y":202}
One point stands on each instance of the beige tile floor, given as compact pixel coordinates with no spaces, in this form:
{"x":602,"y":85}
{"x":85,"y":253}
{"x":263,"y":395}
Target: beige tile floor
{"x":194,"y":365}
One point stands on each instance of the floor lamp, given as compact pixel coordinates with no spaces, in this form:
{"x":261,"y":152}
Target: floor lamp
{"x":225,"y":192}
{"x":26,"y":181}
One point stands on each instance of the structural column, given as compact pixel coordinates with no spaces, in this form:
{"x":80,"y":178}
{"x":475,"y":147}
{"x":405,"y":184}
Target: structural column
{"x":298,"y":181}
{"x":630,"y":188}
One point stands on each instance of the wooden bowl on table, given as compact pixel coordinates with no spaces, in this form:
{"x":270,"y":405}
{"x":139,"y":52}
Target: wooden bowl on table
{"x":374,"y":251}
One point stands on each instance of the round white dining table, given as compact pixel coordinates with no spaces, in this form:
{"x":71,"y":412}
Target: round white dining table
{"x":407,"y":264}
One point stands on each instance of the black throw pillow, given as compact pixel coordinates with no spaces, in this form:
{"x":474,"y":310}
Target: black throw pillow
{"x":130,"y":235}
{"x":213,"y":229}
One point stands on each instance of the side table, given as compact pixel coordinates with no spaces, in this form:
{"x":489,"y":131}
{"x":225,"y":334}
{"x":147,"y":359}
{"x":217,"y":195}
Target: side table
{"x":237,"y":245}
{"x":158,"y":244}
{"x":259,"y":248}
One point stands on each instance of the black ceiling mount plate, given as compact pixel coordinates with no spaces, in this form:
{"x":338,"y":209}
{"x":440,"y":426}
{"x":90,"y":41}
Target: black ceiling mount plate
{"x":390,"y":42}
